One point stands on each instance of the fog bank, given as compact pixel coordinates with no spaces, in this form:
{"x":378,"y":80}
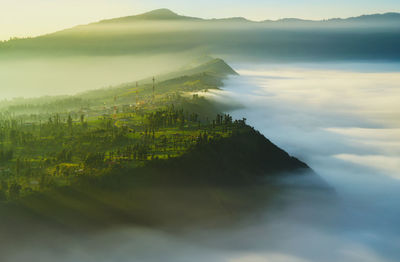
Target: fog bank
{"x":342,"y":120}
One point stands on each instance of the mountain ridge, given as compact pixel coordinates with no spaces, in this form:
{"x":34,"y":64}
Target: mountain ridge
{"x":167,"y":14}
{"x":157,"y":14}
{"x":369,"y":37}
{"x":164,"y":14}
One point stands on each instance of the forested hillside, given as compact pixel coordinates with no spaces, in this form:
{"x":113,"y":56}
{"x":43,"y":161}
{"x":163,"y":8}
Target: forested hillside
{"x":110,"y":155}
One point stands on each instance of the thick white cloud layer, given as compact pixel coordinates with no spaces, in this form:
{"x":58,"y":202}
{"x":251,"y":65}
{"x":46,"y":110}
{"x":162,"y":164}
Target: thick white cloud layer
{"x":343,"y":120}
{"x":343,"y":123}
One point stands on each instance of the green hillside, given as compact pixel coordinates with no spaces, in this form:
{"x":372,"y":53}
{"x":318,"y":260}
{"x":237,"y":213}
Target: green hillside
{"x":203,"y":73}
{"x":110,"y":156}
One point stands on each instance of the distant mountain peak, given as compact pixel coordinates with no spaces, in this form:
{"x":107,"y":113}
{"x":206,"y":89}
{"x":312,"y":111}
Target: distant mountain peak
{"x":160,"y":13}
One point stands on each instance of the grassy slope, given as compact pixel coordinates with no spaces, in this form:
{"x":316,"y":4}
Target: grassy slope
{"x":206,"y":73}
{"x":39,"y":155}
{"x":210,"y":185}
{"x":216,"y":180}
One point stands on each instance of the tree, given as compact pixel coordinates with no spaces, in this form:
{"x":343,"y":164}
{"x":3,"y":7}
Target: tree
{"x":83,"y":123}
{"x":95,"y":159}
{"x":69,"y":121}
{"x":15,"y":190}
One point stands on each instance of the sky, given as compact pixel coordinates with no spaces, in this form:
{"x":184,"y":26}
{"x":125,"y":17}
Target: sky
{"x":21,"y":18}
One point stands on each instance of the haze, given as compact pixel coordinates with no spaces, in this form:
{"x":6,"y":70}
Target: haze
{"x":66,"y":76}
{"x":36,"y":17}
{"x":317,"y":114}
{"x":327,"y":93}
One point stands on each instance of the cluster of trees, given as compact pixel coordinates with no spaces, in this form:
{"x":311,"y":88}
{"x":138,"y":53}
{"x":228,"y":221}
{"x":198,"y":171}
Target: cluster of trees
{"x":6,"y":155}
{"x":166,"y":117}
{"x":95,"y":159}
{"x":67,"y":145}
{"x":223,"y":120}
{"x":64,"y":156}
{"x":139,"y":151}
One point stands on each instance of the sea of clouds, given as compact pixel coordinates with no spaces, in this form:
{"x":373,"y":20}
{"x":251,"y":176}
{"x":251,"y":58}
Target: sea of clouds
{"x":344,"y":121}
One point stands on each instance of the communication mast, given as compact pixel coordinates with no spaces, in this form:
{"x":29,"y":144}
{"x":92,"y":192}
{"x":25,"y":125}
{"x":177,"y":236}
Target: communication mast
{"x":115,"y":107}
{"x":153,"y":86}
{"x":137,"y":93}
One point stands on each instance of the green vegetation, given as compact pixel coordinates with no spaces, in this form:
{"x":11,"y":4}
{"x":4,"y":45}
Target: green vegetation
{"x":52,"y":144}
{"x":112,"y":155}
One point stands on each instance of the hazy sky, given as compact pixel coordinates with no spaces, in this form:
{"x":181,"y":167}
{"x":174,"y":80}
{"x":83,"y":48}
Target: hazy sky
{"x":33,"y":17}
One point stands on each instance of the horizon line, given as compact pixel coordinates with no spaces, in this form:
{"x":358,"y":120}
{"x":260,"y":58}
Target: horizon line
{"x":255,"y":20}
{"x":205,"y":19}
